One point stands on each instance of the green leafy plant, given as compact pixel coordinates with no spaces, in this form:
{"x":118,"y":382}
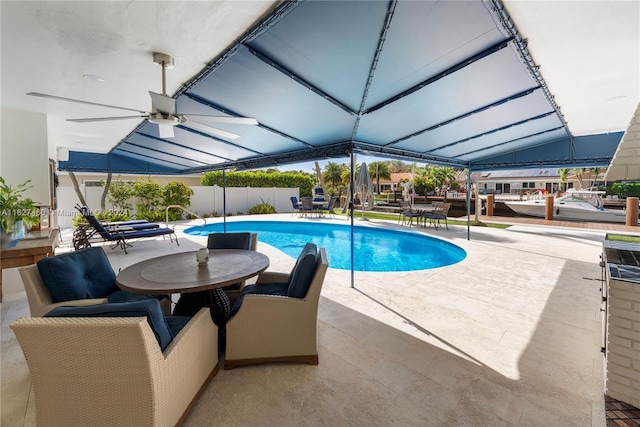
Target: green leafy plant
{"x":262,"y":208}
{"x":258,"y":179}
{"x":14,"y":207}
{"x":120,"y":194}
{"x":148,"y":192}
{"x":176,"y":193}
{"x":626,"y":189}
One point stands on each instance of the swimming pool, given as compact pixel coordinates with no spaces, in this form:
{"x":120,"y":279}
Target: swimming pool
{"x":375,"y":249}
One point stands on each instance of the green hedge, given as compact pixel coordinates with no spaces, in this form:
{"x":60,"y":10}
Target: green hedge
{"x":626,"y":189}
{"x":261,"y":179}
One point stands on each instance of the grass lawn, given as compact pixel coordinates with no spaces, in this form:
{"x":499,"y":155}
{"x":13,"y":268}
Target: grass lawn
{"x":394,"y":217}
{"x":623,"y":238}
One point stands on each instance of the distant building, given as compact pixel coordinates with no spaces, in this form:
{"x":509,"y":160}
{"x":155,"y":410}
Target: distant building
{"x":393,"y":184}
{"x":530,"y":180}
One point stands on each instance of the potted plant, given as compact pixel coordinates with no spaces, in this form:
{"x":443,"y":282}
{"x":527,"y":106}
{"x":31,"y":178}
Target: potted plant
{"x":16,"y":212}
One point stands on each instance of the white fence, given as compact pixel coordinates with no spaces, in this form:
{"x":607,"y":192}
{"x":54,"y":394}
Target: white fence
{"x":205,"y":200}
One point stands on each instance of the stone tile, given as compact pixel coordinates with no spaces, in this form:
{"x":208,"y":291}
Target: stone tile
{"x":506,"y":337}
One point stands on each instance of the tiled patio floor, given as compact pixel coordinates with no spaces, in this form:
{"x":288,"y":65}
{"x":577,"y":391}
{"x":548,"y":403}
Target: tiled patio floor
{"x":510,"y":336}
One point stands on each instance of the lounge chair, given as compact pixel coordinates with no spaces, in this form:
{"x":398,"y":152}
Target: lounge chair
{"x":119,"y":235}
{"x":84,"y":232}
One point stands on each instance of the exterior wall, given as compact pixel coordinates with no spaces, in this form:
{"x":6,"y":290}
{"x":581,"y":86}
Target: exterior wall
{"x":24,"y":152}
{"x":206,"y":200}
{"x":623,"y":342}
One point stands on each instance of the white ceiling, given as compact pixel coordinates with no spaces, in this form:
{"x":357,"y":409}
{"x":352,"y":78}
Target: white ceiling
{"x":589,"y":53}
{"x":47,"y":47}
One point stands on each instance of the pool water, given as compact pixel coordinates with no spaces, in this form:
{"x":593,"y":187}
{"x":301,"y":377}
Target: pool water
{"x":375,"y":249}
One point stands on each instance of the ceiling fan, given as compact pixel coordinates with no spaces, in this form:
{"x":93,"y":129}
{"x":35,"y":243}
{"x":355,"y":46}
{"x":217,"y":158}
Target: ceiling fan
{"x":163,"y":112}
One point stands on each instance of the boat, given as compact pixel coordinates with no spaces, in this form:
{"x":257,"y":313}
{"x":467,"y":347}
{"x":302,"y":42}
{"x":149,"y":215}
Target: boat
{"x":575,"y":205}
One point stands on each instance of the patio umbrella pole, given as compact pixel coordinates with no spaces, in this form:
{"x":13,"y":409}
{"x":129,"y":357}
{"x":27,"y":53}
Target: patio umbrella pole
{"x":469,"y":203}
{"x":351,"y":183}
{"x":224,"y":201}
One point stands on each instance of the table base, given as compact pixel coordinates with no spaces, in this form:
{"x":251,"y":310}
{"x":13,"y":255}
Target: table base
{"x":219,"y":306}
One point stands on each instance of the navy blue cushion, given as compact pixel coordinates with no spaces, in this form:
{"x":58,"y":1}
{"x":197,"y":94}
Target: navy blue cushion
{"x":125,"y":296}
{"x":264,"y":289}
{"x":85,"y":273}
{"x":302,"y":273}
{"x":149,"y":308}
{"x":229,"y":241}
{"x":176,"y":323}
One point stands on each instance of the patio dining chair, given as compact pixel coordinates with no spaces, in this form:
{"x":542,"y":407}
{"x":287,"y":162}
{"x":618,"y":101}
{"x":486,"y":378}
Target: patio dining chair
{"x":247,"y":241}
{"x":408,"y":214}
{"x":306,"y":206}
{"x":276,"y":320}
{"x":296,"y":205}
{"x":439,"y":213}
{"x":329,"y":206}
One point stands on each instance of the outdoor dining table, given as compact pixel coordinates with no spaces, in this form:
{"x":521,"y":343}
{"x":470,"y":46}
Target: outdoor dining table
{"x":199,"y":286}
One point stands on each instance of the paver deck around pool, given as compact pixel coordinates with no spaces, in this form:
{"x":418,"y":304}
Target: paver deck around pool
{"x":509,"y":336}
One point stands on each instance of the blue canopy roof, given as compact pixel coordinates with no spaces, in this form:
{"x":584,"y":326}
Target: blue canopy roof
{"x":447,"y":82}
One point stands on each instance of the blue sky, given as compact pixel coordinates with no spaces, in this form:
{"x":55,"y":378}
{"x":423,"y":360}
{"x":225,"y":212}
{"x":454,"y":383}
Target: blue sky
{"x":308,"y":166}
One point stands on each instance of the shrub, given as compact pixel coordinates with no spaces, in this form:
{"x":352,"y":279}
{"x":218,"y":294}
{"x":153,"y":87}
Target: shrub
{"x":258,"y":179}
{"x":120,"y":194}
{"x":149,"y":192}
{"x":176,"y":193}
{"x":626,"y":189}
{"x":262,"y":208}
{"x":150,"y":215}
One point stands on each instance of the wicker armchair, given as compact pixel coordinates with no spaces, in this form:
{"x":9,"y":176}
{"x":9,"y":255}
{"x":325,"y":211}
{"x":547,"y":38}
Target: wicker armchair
{"x":41,"y":301}
{"x":271,"y":328}
{"x":110,"y":371}
{"x":233,"y":241}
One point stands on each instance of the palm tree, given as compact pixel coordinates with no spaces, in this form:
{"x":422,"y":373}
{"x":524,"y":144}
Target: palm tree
{"x":397,"y":166}
{"x":442,"y":175}
{"x":345,"y":175}
{"x":379,"y":170}
{"x":564,"y":174}
{"x":333,"y":174}
{"x":579,"y":172}
{"x":596,"y":171}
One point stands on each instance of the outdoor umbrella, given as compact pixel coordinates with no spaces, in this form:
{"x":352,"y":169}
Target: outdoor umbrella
{"x":364,"y":186}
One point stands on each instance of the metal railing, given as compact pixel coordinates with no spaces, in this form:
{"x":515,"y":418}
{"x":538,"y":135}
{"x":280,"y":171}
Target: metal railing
{"x":166,"y":211}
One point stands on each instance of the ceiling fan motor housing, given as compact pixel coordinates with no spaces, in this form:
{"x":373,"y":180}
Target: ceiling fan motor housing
{"x":166,"y":119}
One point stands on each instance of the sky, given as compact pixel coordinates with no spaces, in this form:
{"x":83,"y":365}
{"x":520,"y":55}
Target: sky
{"x":309,"y":166}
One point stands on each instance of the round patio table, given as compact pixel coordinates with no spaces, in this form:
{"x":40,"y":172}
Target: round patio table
{"x":199,"y":286}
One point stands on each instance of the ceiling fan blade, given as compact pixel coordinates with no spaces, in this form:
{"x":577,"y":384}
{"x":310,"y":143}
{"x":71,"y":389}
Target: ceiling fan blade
{"x":223,"y":119}
{"x":106,"y":119}
{"x":210,"y":130}
{"x":163,"y":103}
{"x":61,"y":98}
{"x":166,"y":131}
